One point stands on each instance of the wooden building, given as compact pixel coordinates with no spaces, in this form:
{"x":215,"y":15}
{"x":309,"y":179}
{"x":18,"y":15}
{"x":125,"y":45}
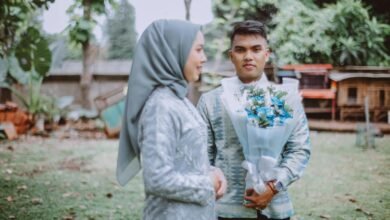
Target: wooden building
{"x":319,"y":96}
{"x":353,"y":87}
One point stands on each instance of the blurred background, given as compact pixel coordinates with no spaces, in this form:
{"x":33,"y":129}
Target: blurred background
{"x":64,"y":66}
{"x":77,"y":54}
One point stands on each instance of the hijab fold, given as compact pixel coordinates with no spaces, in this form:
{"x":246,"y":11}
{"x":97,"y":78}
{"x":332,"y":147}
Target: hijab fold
{"x":159,"y":59}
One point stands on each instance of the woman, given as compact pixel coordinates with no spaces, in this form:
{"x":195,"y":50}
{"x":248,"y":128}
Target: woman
{"x":164,"y":128}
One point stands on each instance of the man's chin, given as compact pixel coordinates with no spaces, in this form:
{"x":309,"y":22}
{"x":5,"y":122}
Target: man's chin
{"x":249,"y":76}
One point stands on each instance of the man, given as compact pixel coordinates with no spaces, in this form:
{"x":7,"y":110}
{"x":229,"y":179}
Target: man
{"x":249,"y":53}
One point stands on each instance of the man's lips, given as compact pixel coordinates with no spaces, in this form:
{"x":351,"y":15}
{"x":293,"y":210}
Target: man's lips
{"x":249,"y":66}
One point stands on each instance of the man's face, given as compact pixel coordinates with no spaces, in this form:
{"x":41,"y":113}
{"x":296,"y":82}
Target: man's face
{"x":249,"y":54}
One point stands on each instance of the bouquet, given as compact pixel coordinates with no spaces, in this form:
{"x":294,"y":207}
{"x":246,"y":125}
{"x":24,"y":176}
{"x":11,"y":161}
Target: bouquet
{"x":265,"y":113}
{"x":262,"y":116}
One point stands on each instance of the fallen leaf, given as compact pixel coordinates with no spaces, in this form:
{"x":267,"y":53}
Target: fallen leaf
{"x":352,"y":200}
{"x":67,"y":194}
{"x":10,"y":148}
{"x":325,"y":216}
{"x":9,"y":171}
{"x":109,"y":195}
{"x":11,"y":217}
{"x":90,"y":196}
{"x":364,"y":211}
{"x":36,"y":201}
{"x":23,"y":187}
{"x":70,"y":194}
{"x":10,"y":199}
{"x":68,"y":217}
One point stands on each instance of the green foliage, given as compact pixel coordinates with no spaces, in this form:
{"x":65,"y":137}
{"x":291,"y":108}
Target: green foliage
{"x":38,"y":104}
{"x":227,"y":13}
{"x":360,"y":38}
{"x":33,"y":52}
{"x":217,"y":42}
{"x":62,"y":49}
{"x":33,"y":101}
{"x":299,"y":34}
{"x":81,"y":25}
{"x":342,"y":33}
{"x":23,"y":48}
{"x":121,"y":32}
{"x":261,"y":10}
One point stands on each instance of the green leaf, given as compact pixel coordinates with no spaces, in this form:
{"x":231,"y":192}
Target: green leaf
{"x":16,"y":72}
{"x":33,"y":52}
{"x":3,"y":69}
{"x":42,"y":57}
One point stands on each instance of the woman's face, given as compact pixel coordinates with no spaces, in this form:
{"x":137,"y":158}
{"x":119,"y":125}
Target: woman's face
{"x":196,"y":59}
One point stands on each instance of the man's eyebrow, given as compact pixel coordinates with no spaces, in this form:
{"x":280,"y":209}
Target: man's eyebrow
{"x":254,"y":46}
{"x":259,"y":45}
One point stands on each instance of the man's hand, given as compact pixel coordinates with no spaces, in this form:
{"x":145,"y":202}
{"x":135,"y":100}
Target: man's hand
{"x":219,"y":181}
{"x":259,"y":201}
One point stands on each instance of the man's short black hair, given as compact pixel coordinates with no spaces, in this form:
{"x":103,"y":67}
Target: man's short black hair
{"x":248,"y":27}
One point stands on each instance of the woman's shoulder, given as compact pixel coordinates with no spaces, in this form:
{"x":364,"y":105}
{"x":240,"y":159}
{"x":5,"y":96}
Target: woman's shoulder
{"x":163,"y":98}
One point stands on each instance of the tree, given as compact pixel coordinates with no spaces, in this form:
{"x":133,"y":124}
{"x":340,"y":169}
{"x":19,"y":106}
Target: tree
{"x":24,"y":50}
{"x":80,"y":32}
{"x":228,"y":12}
{"x":121,"y":32}
{"x":341,"y":33}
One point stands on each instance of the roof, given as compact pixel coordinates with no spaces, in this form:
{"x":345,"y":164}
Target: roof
{"x":318,"y":93}
{"x":307,"y":67}
{"x":338,"y":76}
{"x":223,"y":68}
{"x":122,"y":67}
{"x":101,"y":67}
{"x":383,"y":69}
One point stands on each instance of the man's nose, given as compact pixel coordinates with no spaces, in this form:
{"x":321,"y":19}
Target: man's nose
{"x":248,"y":56}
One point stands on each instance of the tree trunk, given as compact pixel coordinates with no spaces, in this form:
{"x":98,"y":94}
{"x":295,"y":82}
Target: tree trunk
{"x":188,"y":7}
{"x":86,"y":76}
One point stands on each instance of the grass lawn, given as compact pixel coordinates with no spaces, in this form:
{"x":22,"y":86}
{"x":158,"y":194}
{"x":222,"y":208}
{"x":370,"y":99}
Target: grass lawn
{"x":75,"y":179}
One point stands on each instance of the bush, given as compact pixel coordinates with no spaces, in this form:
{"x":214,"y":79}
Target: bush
{"x":341,"y":34}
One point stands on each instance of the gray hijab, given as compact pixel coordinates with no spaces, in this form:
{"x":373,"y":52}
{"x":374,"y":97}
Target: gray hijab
{"x":159,"y":59}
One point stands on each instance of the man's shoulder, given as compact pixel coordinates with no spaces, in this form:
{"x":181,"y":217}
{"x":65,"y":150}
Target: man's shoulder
{"x":211,"y":101}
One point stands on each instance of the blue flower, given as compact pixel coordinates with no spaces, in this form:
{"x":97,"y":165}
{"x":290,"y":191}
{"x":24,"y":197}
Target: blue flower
{"x":277,"y":102}
{"x":264,"y":116}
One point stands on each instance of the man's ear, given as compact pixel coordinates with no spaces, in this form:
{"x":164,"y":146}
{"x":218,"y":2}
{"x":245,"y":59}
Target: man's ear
{"x":267,"y":55}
